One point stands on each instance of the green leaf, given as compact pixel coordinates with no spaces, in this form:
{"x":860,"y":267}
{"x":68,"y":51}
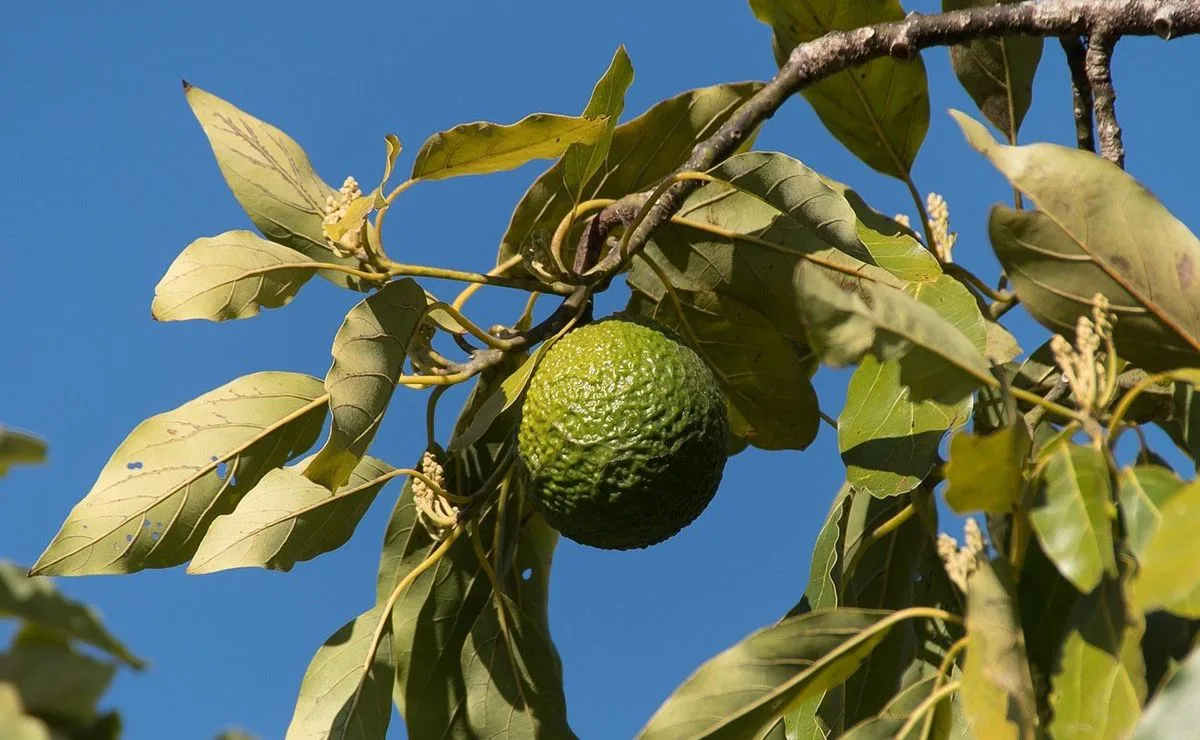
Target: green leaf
{"x":1096,"y":230}
{"x":761,"y":375}
{"x":179,"y":470}
{"x":893,"y":717}
{"x":997,"y":690}
{"x":287,"y":519}
{"x":271,"y":176}
{"x":15,"y":724}
{"x":1072,"y":515}
{"x":1168,"y":578}
{"x":997,"y":72}
{"x":643,"y":151}
{"x":1046,"y":602}
{"x":1002,"y":346}
{"x":55,"y":680}
{"x":986,"y":472}
{"x":36,"y":601}
{"x":1142,"y":491}
{"x":480,"y":148}
{"x":368,"y":358}
{"x":1098,"y":689}
{"x":231,"y":276}
{"x":937,"y":360}
{"x":1176,"y":705}
{"x":582,"y":161}
{"x":344,"y":695}
{"x":892,"y":245}
{"x":19,"y":448}
{"x":879,"y":110}
{"x":888,"y":439}
{"x":501,"y":400}
{"x":745,"y":689}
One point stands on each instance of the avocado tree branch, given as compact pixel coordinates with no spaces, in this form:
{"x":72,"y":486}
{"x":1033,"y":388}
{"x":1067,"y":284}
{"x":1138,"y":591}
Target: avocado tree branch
{"x":1099,"y":72}
{"x":1081,"y":91}
{"x":834,"y":52}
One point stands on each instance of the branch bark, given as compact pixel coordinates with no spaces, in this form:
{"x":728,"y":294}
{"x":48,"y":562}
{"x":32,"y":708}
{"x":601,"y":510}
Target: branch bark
{"x":1081,"y":91}
{"x":1099,"y":72}
{"x":840,"y":50}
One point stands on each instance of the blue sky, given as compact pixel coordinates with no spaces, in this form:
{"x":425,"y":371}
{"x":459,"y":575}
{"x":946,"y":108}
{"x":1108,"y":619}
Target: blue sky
{"x":108,"y":177}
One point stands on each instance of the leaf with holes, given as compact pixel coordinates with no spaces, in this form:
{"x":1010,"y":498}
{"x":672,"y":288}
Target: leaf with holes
{"x":287,"y":519}
{"x":937,"y":360}
{"x":36,"y":601}
{"x":745,"y":689}
{"x":997,"y":72}
{"x":271,"y":176}
{"x":879,"y":110}
{"x":1072,"y":515}
{"x":178,"y":470}
{"x":997,"y":689}
{"x":19,"y":448}
{"x":481,"y":148}
{"x":888,"y":437}
{"x":344,"y":694}
{"x":368,"y":358}
{"x":1142,"y":491}
{"x":1096,"y":230}
{"x":1168,"y":578}
{"x":643,"y":151}
{"x":582,"y":161}
{"x":986,"y":471}
{"x":762,"y":376}
{"x":1100,"y":684}
{"x":231,"y":276}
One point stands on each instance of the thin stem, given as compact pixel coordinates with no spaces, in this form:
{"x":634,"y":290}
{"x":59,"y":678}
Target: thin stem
{"x":924,"y":215}
{"x":564,"y":226}
{"x":832,"y":422}
{"x":963,"y":275}
{"x":883,"y":530}
{"x":377,"y":228}
{"x":496,"y":271}
{"x":421,"y":381}
{"x":1048,"y":405}
{"x":397,"y":269}
{"x":926,"y":706}
{"x":386,"y":617}
{"x":474,"y":330}
{"x":431,"y":415}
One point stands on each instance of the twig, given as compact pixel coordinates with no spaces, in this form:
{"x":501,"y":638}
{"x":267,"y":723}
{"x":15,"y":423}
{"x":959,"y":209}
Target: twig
{"x":1104,"y":103}
{"x":1081,"y":91}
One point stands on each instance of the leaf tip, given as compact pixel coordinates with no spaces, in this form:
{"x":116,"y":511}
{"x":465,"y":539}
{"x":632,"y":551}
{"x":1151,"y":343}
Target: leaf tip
{"x":975,"y":132}
{"x":187,"y":86}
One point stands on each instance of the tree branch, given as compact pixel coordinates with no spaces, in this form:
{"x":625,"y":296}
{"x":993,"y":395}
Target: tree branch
{"x":1099,"y":72}
{"x":832,"y":53}
{"x":1081,"y":91}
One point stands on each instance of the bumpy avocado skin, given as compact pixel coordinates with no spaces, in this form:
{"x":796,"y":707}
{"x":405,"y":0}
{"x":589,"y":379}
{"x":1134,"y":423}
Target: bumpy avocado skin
{"x":623,"y":434}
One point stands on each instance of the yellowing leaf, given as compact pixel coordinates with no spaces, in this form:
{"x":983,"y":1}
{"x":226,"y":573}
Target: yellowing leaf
{"x":271,"y":176}
{"x":368,"y":357}
{"x":287,"y":518}
{"x":480,"y":148}
{"x":985,"y":472}
{"x":179,"y":470}
{"x":231,"y":276}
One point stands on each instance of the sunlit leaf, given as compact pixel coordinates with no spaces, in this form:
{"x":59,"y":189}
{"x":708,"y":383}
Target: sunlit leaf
{"x":582,"y":161}
{"x":19,"y":448}
{"x":643,"y":151}
{"x":997,"y":72}
{"x":1142,"y":491}
{"x":178,"y":470}
{"x":1096,"y":230}
{"x":1176,"y":705}
{"x":1098,"y":689}
{"x":345,"y":696}
{"x":35,"y":600}
{"x":288,"y":518}
{"x":744,"y":689}
{"x":1168,"y":578}
{"x":997,"y":690}
{"x":271,"y":176}
{"x":368,"y":357}
{"x":937,"y":360}
{"x":1072,"y":514}
{"x":480,"y":148}
{"x":888,"y":438}
{"x":231,"y":276}
{"x":54,"y":679}
{"x":879,"y":110}
{"x":986,"y":472}
{"x":760,"y":373}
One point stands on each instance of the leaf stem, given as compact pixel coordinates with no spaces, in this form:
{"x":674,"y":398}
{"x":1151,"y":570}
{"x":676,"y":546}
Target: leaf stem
{"x":377,"y":227}
{"x":926,"y":226}
{"x":386,"y":617}
{"x":926,"y":706}
{"x":883,"y":530}
{"x":496,"y":271}
{"x":397,"y":269}
{"x":1048,"y":405}
{"x":564,"y":226}
{"x":472,"y":328}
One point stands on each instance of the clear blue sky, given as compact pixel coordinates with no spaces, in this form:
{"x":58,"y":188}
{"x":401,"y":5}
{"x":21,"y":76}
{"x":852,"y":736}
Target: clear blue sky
{"x":107,"y":177}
